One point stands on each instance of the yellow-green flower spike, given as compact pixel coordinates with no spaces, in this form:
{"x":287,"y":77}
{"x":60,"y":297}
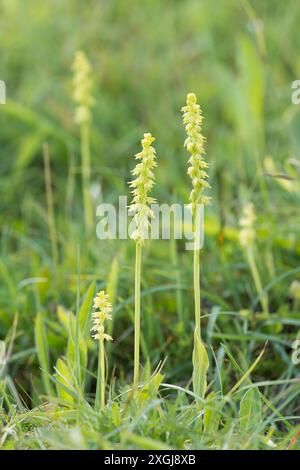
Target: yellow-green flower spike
{"x":294,"y":290}
{"x":141,"y":187}
{"x":101,"y":314}
{"x":82,"y":85}
{"x":194,"y":143}
{"x":247,"y":232}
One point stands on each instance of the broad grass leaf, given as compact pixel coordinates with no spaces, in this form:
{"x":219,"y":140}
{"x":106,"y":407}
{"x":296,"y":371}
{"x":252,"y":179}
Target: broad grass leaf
{"x":2,"y":352}
{"x":144,"y":442}
{"x":116,"y":414}
{"x":250,"y":410}
{"x":150,"y":390}
{"x":64,"y":381}
{"x":212,"y":413}
{"x":112,"y":282}
{"x":63,"y":316}
{"x":85,"y":309}
{"x":29,"y":148}
{"x":200,"y":366}
{"x":111,"y":287}
{"x":71,"y":348}
{"x":43,"y":351}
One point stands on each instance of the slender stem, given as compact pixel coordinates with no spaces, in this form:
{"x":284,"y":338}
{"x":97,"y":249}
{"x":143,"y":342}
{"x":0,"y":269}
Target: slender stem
{"x":175,"y":263}
{"x":197,"y":271}
{"x":137,"y":313}
{"x":86,"y":177}
{"x":255,"y":274}
{"x":102,"y":374}
{"x":77,"y":363}
{"x":100,"y":390}
{"x":50,"y":205}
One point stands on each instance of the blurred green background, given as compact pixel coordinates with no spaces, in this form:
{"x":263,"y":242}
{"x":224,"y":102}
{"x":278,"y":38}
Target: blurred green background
{"x":240,"y":58}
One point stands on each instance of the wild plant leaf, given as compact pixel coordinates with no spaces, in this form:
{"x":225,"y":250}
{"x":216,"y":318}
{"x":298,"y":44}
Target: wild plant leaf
{"x":200,"y":366}
{"x":71,"y":348}
{"x":43,"y":351}
{"x":247,"y":373}
{"x":85,"y":309}
{"x":111,"y":287}
{"x":63,"y":316}
{"x":250,"y":410}
{"x":112,"y":281}
{"x":64,"y":381}
{"x":143,"y":442}
{"x":2,"y":352}
{"x":116,"y":414}
{"x":150,"y":389}
{"x":212,"y":413}
{"x":29,"y":148}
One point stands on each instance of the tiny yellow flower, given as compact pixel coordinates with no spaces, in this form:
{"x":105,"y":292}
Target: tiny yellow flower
{"x":194,"y":143}
{"x":247,"y":232}
{"x":141,"y":186}
{"x":101,"y":314}
{"x":82,"y":85}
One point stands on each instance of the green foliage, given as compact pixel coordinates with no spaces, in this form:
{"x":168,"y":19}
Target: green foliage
{"x":145,"y":57}
{"x":64,"y":381}
{"x":200,"y":366}
{"x":42,"y":351}
{"x":250,"y":410}
{"x":85,"y":310}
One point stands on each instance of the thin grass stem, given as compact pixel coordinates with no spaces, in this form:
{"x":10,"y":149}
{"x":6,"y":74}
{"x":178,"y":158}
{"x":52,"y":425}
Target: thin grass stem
{"x":197,"y":293}
{"x":50,"y":206}
{"x":137,"y":314}
{"x":257,"y":281}
{"x":175,"y":263}
{"x":98,"y":386}
{"x":86,"y":177}
{"x":102,"y":375}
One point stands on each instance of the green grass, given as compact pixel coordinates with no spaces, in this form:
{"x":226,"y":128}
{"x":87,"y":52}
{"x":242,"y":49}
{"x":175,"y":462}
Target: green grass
{"x":239,"y":60}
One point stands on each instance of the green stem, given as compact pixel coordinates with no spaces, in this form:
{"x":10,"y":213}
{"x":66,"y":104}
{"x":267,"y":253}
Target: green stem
{"x":137,"y":314}
{"x":100,"y":390}
{"x":86,"y":177}
{"x":258,"y":285}
{"x":50,"y":206}
{"x":197,"y":271}
{"x":102,"y":375}
{"x":175,"y":263}
{"x":77,"y":362}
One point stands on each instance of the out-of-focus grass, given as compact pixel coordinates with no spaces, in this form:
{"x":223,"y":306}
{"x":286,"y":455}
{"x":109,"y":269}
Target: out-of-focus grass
{"x":239,"y":59}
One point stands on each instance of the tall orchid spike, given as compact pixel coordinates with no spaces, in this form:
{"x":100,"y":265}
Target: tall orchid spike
{"x":141,"y":186}
{"x":194,"y":143}
{"x":82,"y":85}
{"x":102,"y":313}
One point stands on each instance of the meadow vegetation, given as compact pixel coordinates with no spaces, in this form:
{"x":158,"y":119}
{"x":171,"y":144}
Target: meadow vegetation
{"x":179,"y":373}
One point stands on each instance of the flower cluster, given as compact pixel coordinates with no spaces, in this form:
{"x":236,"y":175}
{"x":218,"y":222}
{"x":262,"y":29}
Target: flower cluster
{"x":247,"y":232}
{"x":102,"y":313}
{"x":194,"y":143}
{"x":82,"y":84}
{"x":141,"y":186}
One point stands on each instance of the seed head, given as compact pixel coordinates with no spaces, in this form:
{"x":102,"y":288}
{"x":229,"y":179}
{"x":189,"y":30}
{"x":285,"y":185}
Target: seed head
{"x":102,"y":313}
{"x":141,"y":186}
{"x":194,"y":143}
{"x":247,"y":232}
{"x":82,"y":85}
